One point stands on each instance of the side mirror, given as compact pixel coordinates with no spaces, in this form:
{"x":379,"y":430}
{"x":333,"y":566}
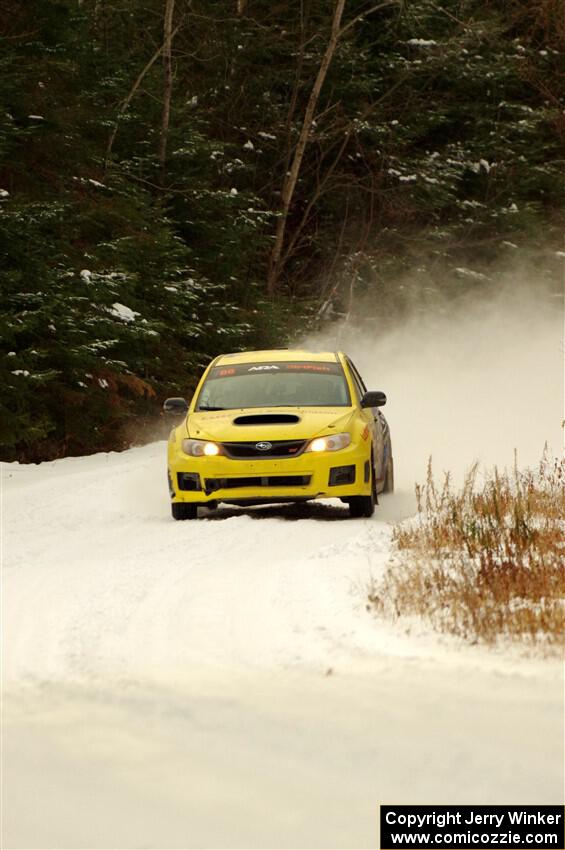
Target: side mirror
{"x":373,"y":399}
{"x":175,"y":406}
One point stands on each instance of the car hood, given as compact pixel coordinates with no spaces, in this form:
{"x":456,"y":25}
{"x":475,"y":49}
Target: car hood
{"x":219,"y":426}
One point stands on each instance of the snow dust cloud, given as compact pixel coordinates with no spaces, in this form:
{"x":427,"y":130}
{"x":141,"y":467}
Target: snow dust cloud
{"x":472,"y":381}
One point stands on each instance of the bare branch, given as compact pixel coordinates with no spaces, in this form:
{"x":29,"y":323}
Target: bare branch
{"x":291,"y":177}
{"x":126,"y":102}
{"x":321,"y":189}
{"x":168,"y":79}
{"x":369,"y":11}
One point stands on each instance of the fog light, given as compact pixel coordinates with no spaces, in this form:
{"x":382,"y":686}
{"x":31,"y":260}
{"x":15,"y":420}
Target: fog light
{"x":189,"y":481}
{"x":340,"y":475}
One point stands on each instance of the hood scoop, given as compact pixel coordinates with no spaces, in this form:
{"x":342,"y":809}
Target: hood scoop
{"x":267,"y":419}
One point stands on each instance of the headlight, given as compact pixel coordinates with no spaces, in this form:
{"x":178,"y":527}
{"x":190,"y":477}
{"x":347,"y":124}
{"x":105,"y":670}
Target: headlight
{"x":331,"y":443}
{"x":200,"y":448}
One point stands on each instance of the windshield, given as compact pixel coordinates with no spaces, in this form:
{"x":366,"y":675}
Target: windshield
{"x":282,"y":384}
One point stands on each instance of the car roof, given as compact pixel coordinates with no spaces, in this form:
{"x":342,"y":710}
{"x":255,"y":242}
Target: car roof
{"x":275,"y":355}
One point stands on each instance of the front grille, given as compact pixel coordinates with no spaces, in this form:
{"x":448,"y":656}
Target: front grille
{"x":278,"y":448}
{"x":213,"y":484}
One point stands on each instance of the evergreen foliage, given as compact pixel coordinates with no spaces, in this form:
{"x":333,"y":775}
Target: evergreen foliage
{"x":438,"y":142}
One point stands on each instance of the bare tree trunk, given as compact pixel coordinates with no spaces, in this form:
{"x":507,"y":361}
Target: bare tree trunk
{"x":295,"y":90}
{"x":314,"y":198}
{"x":125,"y":103}
{"x":168,"y":79}
{"x":277,"y":259}
{"x":97,"y":11}
{"x":291,"y":177}
{"x":241,"y":4}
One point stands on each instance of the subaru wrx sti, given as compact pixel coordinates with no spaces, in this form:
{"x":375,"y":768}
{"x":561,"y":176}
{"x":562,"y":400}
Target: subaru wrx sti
{"x":279,"y":426}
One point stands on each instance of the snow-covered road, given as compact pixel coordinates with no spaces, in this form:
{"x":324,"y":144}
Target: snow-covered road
{"x":220,"y":683}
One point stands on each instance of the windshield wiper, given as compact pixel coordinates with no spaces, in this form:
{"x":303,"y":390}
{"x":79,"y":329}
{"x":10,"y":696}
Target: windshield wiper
{"x":209,"y":407}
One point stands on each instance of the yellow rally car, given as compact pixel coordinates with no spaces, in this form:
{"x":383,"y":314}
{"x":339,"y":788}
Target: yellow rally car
{"x":279,"y":426}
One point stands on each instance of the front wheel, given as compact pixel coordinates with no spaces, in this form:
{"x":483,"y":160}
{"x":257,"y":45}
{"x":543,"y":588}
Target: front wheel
{"x":364,"y":506}
{"x":361,"y":506}
{"x":388,"y":486}
{"x":184,"y":510}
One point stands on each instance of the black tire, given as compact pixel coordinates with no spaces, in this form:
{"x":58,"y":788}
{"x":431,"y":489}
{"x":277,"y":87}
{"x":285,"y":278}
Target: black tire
{"x":389,"y":476}
{"x":361,"y":506}
{"x":364,"y":506}
{"x":184,"y":510}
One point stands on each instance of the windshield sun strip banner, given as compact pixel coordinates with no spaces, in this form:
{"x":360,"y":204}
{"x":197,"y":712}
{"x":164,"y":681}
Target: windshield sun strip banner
{"x":279,"y":367}
{"x":311,"y":366}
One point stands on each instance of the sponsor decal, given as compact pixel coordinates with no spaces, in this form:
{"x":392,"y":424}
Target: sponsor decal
{"x":261,"y":368}
{"x":308,"y":367}
{"x":365,"y":433}
{"x":212,"y":416}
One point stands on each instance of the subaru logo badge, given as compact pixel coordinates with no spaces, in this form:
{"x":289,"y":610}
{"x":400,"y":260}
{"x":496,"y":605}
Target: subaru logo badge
{"x":263,"y":447}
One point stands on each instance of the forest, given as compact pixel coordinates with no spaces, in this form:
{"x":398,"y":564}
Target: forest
{"x":181,"y":178}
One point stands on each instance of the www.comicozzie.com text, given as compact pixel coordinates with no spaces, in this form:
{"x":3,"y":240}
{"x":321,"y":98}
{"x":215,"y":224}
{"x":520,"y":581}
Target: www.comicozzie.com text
{"x":490,"y":839}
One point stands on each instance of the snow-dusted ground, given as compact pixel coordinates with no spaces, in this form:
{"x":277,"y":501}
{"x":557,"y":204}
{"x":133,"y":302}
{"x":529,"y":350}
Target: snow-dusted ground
{"x":220,"y":683}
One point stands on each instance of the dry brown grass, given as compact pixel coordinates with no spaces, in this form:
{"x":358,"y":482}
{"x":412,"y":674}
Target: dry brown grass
{"x":487,"y":561}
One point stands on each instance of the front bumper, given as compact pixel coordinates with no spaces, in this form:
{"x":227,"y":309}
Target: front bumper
{"x":308,"y":476}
